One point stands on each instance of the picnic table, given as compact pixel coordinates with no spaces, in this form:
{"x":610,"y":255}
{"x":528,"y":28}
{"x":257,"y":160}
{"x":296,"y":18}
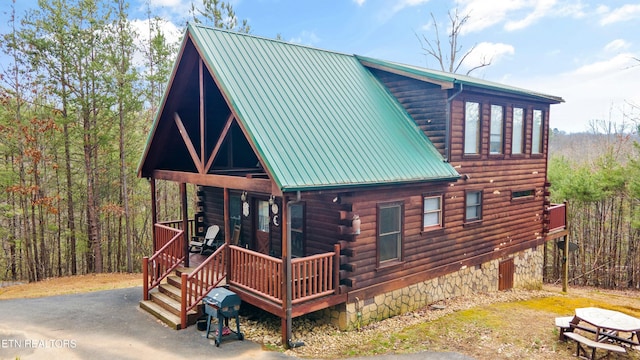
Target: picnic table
{"x":612,"y":331}
{"x":609,"y":324}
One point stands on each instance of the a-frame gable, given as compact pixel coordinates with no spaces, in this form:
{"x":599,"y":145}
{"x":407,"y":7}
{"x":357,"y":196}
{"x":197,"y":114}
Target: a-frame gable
{"x":194,"y":105}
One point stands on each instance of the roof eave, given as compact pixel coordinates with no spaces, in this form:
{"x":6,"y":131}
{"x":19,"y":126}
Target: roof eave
{"x":449,"y":80}
{"x":350,"y":186}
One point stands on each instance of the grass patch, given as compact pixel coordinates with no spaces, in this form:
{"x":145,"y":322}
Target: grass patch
{"x":517,"y":329}
{"x":71,"y":285}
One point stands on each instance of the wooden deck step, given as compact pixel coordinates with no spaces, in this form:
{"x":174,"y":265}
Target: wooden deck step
{"x":171,"y":291}
{"x":170,"y":307}
{"x":161,"y":313}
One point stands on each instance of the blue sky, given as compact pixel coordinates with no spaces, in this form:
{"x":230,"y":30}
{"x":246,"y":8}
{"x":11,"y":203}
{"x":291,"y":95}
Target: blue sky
{"x":581,"y":50}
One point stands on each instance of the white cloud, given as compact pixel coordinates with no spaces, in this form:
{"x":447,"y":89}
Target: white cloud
{"x":595,"y":91}
{"x":308,"y":38}
{"x":624,"y":13}
{"x":606,"y":67}
{"x":542,"y":9}
{"x":485,"y":52}
{"x":402,"y":4}
{"x":359,"y":2}
{"x":615,"y":45}
{"x":515,"y":14}
{"x":172,"y":34}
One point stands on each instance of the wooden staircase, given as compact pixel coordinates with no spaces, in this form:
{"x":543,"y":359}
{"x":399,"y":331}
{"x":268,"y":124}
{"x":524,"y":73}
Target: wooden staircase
{"x":164,"y":302}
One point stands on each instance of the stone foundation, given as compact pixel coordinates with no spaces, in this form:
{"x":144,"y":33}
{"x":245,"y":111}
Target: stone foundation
{"x":466,"y":281}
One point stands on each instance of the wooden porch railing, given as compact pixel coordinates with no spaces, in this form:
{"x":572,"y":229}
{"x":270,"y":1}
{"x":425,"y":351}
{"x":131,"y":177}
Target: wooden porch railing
{"x":557,"y":217}
{"x":312,"y":276}
{"x":200,"y":281}
{"x":257,"y":273}
{"x":177,"y":224}
{"x":165,"y":260}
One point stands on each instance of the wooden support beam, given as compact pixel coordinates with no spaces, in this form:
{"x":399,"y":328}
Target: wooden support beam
{"x":216,"y":149}
{"x":188,"y":143}
{"x":202,"y":122}
{"x":264,"y":186}
{"x":154,"y":211}
{"x":185,"y":223}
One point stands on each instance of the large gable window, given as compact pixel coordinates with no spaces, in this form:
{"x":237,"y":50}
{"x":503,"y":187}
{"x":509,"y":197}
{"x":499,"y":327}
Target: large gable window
{"x":389,"y":232}
{"x":517,"y":136}
{"x":472,"y":128}
{"x":496,"y":128}
{"x":536,"y":132}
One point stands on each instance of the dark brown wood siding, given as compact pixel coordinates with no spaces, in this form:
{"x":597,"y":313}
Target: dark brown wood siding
{"x":507,"y":226}
{"x":426,"y":103}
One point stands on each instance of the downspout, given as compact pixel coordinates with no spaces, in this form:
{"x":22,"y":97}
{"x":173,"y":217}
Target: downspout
{"x":288,"y":280}
{"x":447,"y":136}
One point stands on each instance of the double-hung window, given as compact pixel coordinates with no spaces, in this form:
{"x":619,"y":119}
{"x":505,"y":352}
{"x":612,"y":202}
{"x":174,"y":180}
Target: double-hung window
{"x":471,"y":128}
{"x":473,"y":206}
{"x":432,"y":212}
{"x":390,"y":232}
{"x":496,"y":129}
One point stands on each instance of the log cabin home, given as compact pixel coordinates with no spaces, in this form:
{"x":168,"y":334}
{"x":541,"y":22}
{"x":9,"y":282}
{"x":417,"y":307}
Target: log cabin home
{"x":354,"y":186}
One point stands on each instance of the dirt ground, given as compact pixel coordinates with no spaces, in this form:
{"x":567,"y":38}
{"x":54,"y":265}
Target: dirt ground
{"x":502,"y":325}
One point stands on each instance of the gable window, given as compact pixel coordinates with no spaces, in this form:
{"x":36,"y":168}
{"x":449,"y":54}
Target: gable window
{"x":517,"y":136}
{"x":296,"y":216}
{"x":536,"y":132}
{"x":389,"y":232}
{"x":472,"y":128}
{"x":496,"y":128}
{"x":473,"y":203}
{"x":432,"y":212}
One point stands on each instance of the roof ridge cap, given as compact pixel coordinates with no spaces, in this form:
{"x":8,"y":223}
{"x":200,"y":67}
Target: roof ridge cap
{"x":261,"y":37}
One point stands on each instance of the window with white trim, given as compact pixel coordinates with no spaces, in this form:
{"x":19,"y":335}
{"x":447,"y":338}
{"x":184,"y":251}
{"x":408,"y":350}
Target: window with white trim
{"x":517,"y":135}
{"x":471,"y":128}
{"x":473,"y":206}
{"x":431,"y":212}
{"x":536,"y":132}
{"x":496,"y":137}
{"x":389,"y":232}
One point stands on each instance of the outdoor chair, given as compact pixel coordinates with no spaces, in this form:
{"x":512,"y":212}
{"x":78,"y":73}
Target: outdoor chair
{"x":208,"y":245}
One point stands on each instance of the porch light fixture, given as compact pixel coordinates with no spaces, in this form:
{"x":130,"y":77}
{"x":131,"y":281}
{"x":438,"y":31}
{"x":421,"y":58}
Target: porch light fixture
{"x":243,"y":197}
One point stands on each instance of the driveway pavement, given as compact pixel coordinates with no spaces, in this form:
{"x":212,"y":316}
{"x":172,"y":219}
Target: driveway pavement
{"x":110,"y":325}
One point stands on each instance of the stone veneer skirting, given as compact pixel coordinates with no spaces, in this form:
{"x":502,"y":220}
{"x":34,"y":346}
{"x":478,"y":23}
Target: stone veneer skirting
{"x":466,"y":281}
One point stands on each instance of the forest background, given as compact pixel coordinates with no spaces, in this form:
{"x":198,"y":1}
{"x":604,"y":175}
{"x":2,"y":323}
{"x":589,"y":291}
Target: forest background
{"x":76,"y":109}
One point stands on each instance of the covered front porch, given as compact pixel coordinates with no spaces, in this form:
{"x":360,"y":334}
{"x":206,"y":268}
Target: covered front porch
{"x":285,"y":286}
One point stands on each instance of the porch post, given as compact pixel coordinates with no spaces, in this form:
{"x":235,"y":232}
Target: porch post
{"x":286,"y":269}
{"x":185,"y":223}
{"x":227,"y":234}
{"x":154,"y":212}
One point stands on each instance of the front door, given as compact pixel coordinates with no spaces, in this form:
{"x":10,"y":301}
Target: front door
{"x":262,"y":221}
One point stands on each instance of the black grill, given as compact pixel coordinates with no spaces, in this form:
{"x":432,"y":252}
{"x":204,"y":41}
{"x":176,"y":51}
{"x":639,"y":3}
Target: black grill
{"x":222,"y":304}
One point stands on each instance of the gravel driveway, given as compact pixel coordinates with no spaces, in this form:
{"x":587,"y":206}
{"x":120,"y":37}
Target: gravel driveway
{"x":110,"y":325}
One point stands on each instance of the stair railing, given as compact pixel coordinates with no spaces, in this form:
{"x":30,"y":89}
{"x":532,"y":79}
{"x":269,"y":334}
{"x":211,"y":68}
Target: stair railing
{"x":165,"y":260}
{"x":196,"y":285}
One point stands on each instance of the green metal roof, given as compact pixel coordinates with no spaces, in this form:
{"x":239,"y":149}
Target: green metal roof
{"x":318,"y":119}
{"x":441,"y":76}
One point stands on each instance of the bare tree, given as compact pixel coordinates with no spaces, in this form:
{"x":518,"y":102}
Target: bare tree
{"x":451,"y":58}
